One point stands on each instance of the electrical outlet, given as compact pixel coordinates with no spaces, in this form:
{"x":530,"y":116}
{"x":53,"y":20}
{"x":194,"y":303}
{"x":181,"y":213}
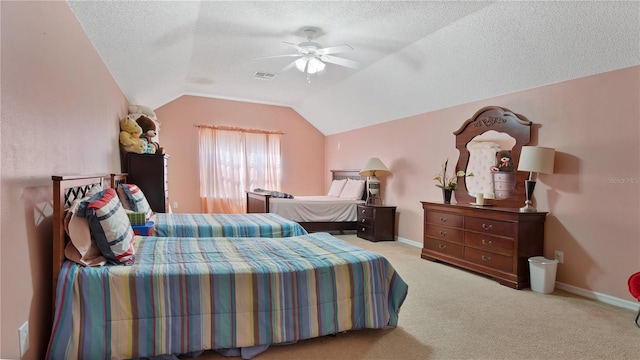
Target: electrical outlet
{"x":559,"y":255}
{"x":23,"y":333}
{"x":175,"y":204}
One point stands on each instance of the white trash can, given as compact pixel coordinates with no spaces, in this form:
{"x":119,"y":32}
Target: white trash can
{"x":542,"y":272}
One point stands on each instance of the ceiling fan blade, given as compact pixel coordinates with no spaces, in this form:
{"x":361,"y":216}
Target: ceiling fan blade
{"x":288,"y":67}
{"x":275,"y":56}
{"x":341,"y":61}
{"x":299,"y":48}
{"x":334,"y":49}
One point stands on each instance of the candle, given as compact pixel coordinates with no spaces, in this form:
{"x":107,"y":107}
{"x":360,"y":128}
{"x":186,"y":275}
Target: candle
{"x":479,"y":199}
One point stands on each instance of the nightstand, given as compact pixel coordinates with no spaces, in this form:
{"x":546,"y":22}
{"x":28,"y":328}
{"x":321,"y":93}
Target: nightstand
{"x":376,"y":222}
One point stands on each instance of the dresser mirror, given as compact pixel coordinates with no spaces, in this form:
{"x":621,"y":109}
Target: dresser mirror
{"x":489,"y":144}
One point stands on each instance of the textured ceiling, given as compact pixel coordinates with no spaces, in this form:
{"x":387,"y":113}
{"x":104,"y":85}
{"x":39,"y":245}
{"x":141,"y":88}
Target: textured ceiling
{"x":417,"y":56}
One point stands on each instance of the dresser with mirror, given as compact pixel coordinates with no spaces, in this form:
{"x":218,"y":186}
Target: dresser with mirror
{"x":494,"y":239}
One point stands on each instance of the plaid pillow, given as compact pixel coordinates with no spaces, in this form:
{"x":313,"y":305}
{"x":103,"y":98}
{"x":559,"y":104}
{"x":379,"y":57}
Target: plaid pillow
{"x":110,"y":226}
{"x":137,"y":201}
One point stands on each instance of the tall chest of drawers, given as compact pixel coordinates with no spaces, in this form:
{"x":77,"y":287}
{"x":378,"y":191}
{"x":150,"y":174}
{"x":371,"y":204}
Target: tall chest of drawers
{"x":496,"y":242}
{"x":149,"y":172}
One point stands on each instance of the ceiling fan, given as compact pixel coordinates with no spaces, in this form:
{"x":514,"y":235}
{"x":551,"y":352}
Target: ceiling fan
{"x":312,"y":58}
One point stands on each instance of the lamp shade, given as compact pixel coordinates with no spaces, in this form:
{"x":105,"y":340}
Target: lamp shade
{"x":310,"y":64}
{"x":374,"y":167}
{"x":536,"y":159}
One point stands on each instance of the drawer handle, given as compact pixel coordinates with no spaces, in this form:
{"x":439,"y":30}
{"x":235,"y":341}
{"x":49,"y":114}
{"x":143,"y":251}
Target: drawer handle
{"x":487,"y":227}
{"x":443,"y":233}
{"x":363,"y":211}
{"x":363,"y":220}
{"x":443,"y":219}
{"x":485,"y":242}
{"x":362,"y":230}
{"x":486,"y":258}
{"x":442,"y":246}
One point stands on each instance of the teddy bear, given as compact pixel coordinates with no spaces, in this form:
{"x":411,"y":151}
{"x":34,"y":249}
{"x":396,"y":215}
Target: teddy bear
{"x":504,"y":161}
{"x":130,"y":136}
{"x":142,"y":110}
{"x":149,"y":132}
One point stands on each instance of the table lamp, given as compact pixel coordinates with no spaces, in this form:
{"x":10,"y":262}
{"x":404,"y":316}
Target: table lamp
{"x":372,"y":168}
{"x":534,"y":159}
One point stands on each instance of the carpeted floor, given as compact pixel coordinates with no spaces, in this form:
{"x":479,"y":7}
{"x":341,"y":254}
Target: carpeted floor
{"x":453,"y":314}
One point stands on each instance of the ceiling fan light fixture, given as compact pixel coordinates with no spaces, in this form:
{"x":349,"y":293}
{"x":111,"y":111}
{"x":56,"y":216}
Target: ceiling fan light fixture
{"x":311,"y":64}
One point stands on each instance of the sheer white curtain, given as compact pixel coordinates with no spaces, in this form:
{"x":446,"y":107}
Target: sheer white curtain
{"x":233,"y":161}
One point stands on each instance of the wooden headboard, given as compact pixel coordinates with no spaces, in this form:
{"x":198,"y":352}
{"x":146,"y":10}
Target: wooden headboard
{"x":117,"y":179}
{"x":66,"y":189}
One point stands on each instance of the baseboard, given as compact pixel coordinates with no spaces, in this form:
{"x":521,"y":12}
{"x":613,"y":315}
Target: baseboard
{"x":409,"y":242}
{"x":607,"y":299}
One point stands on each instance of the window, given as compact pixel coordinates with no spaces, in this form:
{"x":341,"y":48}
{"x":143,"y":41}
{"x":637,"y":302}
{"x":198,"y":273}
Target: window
{"x":233,"y":161}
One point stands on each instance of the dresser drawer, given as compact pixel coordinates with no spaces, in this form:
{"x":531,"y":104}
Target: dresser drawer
{"x":494,"y":244}
{"x":365,"y":230}
{"x":368,"y":221}
{"x":364,"y":212}
{"x":444,"y":233}
{"x":488,"y":226}
{"x":445,"y":219}
{"x":444,"y":247}
{"x":489,"y":259}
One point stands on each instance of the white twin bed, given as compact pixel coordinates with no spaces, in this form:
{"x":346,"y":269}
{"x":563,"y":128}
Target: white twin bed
{"x":336,"y":211}
{"x":316,"y":208}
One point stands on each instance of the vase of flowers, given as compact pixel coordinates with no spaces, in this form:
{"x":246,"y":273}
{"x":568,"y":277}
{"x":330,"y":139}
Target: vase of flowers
{"x":446,"y":195}
{"x":447,"y":183}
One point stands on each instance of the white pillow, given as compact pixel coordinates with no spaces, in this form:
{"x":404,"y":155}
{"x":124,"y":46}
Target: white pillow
{"x":353,"y":189}
{"x":336,"y":187}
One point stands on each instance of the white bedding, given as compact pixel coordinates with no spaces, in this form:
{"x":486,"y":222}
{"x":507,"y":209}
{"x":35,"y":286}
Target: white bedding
{"x":315,"y":208}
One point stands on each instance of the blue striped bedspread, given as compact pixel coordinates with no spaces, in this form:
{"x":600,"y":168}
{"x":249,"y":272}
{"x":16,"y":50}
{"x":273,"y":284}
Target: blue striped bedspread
{"x":190,"y":294}
{"x":225,"y":225}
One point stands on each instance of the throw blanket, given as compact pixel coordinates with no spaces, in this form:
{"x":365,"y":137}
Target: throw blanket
{"x":276,"y":194}
{"x":184,"y":295}
{"x":219,"y":225}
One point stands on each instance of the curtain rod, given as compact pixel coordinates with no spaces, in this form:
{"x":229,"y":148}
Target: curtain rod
{"x":231,"y":128}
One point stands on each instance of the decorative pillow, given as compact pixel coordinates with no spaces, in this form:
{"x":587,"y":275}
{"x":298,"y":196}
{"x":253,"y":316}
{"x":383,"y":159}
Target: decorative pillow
{"x":336,"y":187}
{"x":123,"y":198}
{"x":353,"y":189}
{"x":136,"y":199}
{"x":82,"y":248}
{"x":110,"y":226}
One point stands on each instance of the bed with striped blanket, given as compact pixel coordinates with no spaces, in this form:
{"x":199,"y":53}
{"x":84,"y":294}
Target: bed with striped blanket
{"x":214,"y":225}
{"x":227,"y":225}
{"x":185,"y":295}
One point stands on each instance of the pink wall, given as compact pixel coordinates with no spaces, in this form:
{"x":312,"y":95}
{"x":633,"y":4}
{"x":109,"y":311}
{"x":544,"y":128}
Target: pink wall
{"x":302,"y":144}
{"x":592,"y":199}
{"x":60,"y":111}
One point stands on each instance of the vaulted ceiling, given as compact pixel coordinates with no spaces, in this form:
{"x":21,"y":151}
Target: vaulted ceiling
{"x":417,"y":56}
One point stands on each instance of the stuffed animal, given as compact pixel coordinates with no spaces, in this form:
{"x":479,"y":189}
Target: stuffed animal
{"x":130,"y":136}
{"x":142,"y":110}
{"x":504,"y":161}
{"x":149,"y":132}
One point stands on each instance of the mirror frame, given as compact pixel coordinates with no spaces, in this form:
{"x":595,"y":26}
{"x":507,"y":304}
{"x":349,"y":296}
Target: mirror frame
{"x":501,"y":120}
